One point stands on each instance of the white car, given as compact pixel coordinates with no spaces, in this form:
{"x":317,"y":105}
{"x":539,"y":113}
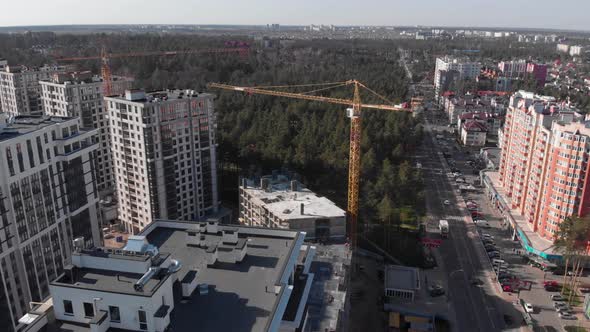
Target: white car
{"x":482,"y":223}
{"x":529,"y":308}
{"x":447,"y":202}
{"x":487,"y":236}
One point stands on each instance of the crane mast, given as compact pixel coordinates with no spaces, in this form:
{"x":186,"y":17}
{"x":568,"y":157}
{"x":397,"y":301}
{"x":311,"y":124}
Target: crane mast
{"x":354,"y":112}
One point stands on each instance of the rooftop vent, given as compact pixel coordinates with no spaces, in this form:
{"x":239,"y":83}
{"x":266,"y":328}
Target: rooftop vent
{"x":78,"y":244}
{"x":174,"y":266}
{"x":230,"y":235}
{"x":138,"y":286}
{"x":212,"y":227}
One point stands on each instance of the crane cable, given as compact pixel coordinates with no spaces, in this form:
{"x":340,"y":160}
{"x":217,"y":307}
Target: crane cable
{"x":322,"y":89}
{"x":378,"y":95}
{"x":297,"y":85}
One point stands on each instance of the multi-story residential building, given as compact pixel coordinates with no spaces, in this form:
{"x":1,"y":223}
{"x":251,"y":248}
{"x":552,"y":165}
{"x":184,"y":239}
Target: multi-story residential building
{"x":538,"y":71}
{"x":564,"y":48}
{"x":465,"y":68}
{"x":456,"y":105}
{"x":80,"y":94}
{"x":48,"y":197}
{"x":473,"y":133}
{"x":491,"y":121}
{"x":513,"y":69}
{"x":20,"y":92}
{"x":576,"y":50}
{"x":211,"y":277}
{"x":543,"y":166}
{"x":164,"y":156}
{"x":280,"y":202}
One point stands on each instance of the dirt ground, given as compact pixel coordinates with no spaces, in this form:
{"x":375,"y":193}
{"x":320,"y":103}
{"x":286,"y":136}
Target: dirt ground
{"x":366,"y":307}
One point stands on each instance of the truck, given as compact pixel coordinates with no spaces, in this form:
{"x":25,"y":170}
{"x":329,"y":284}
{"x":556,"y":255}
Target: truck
{"x":443,"y":225}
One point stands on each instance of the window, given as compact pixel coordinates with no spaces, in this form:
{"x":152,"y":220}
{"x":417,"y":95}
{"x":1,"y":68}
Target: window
{"x":142,"y":320}
{"x":30,"y":152}
{"x":19,"y":156}
{"x":68,"y":308}
{"x":115,"y":314}
{"x":9,"y":161}
{"x":88,"y":309}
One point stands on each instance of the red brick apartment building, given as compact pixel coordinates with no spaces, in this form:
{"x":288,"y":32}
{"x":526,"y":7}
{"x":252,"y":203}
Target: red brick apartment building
{"x":544,"y":167}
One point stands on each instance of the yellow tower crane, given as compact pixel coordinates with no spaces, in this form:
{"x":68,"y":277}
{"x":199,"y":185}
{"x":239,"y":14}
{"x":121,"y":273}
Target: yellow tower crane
{"x":354,"y":162}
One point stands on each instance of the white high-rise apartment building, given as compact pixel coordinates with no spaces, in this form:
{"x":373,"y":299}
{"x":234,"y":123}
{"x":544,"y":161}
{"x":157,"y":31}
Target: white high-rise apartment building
{"x":164,"y":156}
{"x":513,"y":69}
{"x":20,"y":91}
{"x":464,"y":68}
{"x":576,"y":50}
{"x":48,"y":197}
{"x":80,"y":94}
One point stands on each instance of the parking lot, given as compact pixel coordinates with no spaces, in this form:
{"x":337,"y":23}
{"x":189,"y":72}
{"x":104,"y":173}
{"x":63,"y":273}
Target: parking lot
{"x":519,"y":279}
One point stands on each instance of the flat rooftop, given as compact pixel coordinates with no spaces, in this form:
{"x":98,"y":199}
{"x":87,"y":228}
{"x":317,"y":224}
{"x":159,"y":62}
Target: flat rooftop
{"x":140,"y":96}
{"x":237,"y":299}
{"x":402,"y":277}
{"x":25,"y":124}
{"x":286,"y":204}
{"x":113,"y":281}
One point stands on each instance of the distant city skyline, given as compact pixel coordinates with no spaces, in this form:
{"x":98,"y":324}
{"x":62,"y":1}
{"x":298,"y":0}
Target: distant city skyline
{"x":539,"y":14}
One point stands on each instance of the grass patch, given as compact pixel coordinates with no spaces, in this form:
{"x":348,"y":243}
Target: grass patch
{"x":577,"y":300}
{"x":575,"y":329}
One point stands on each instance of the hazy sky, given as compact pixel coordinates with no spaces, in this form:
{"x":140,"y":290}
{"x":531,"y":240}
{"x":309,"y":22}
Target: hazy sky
{"x":560,"y":14}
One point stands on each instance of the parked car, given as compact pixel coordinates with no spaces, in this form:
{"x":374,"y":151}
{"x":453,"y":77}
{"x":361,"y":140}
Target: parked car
{"x":446,"y":202}
{"x":585,"y":290}
{"x":557,"y":297}
{"x":550,"y":283}
{"x":482,"y":223}
{"x":501,"y":262}
{"x":493,"y":254}
{"x":488,"y":241}
{"x":487,"y":236}
{"x":490,"y":247}
{"x":565,"y":308}
{"x":552,"y":288}
{"x":476,"y":215}
{"x":436,"y":290}
{"x":529,"y":307}
{"x":507,"y":288}
{"x":567,"y":315}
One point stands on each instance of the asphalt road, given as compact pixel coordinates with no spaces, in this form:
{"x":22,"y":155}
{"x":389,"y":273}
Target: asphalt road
{"x":476,"y":308}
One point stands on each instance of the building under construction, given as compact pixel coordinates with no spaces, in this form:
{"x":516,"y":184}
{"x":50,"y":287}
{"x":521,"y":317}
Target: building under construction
{"x":277,"y":201}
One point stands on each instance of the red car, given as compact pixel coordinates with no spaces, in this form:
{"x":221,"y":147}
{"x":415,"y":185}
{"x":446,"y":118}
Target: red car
{"x":551,"y":283}
{"x":476,"y":215}
{"x":507,"y":288}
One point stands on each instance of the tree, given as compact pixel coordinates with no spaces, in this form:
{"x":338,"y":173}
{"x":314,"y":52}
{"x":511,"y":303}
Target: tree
{"x":386,"y":210}
{"x":571,"y":239}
